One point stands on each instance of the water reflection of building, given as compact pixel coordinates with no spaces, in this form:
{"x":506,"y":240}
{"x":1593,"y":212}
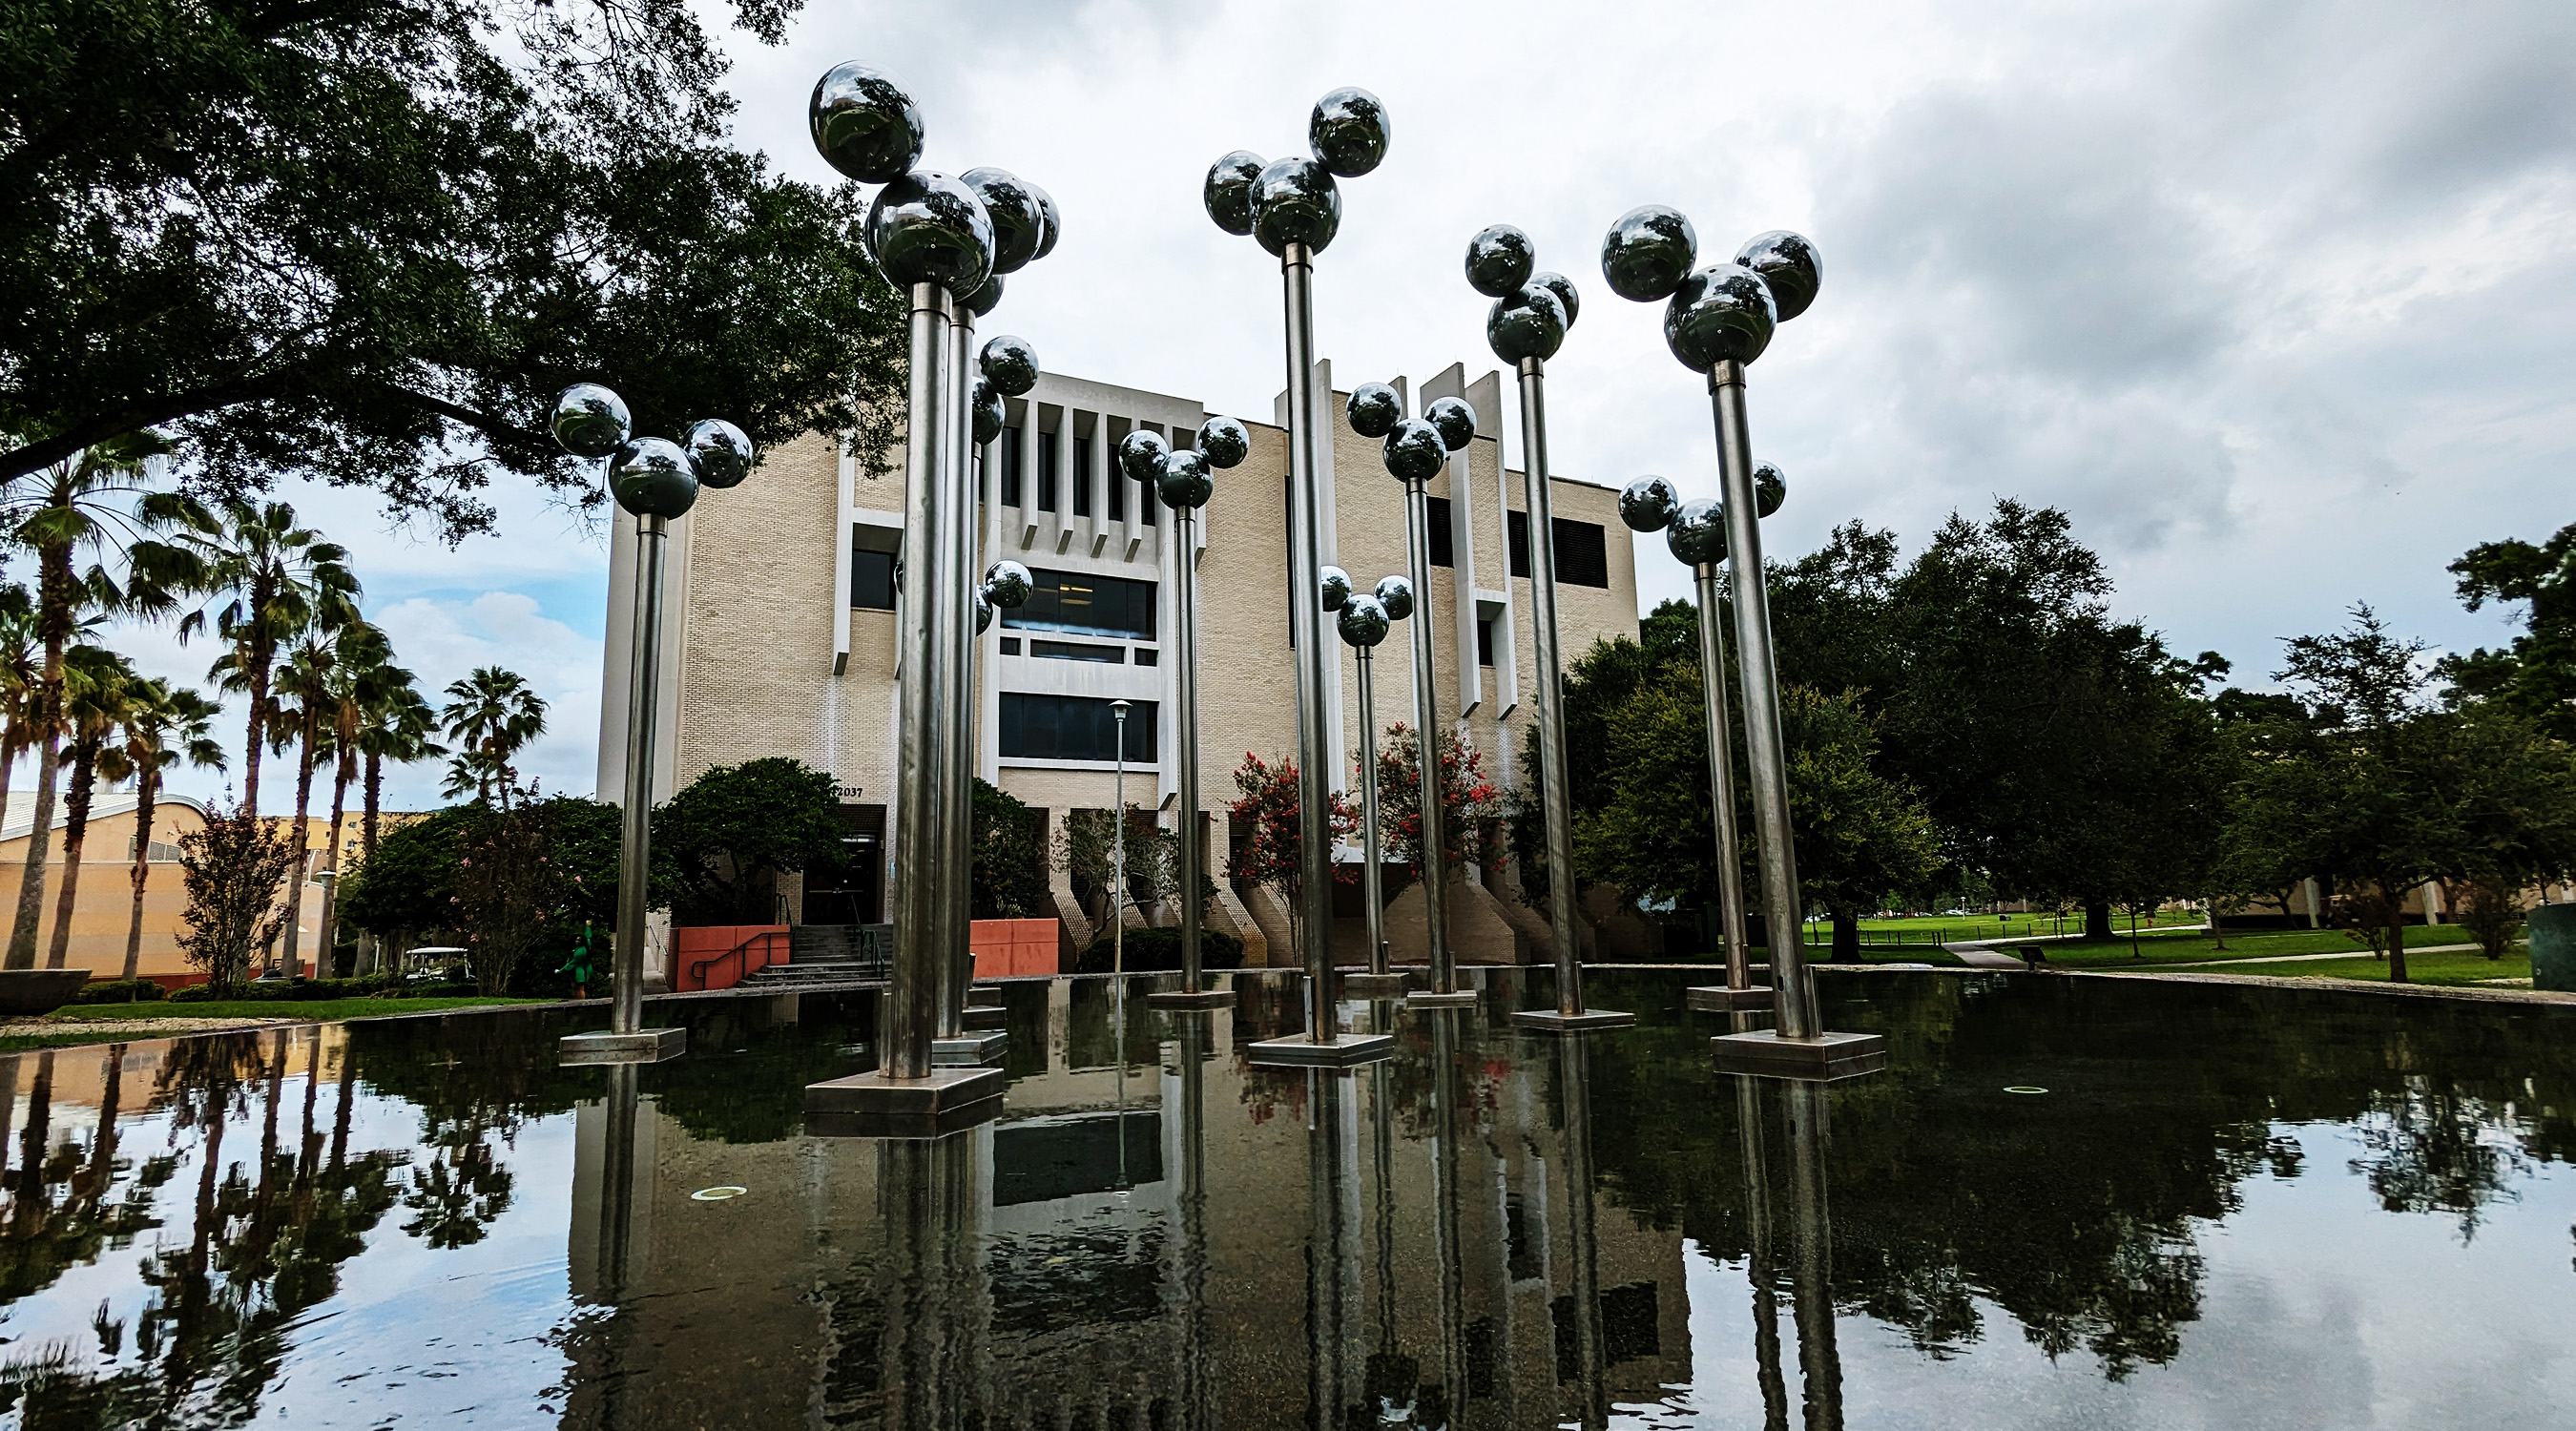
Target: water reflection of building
{"x":1160,"y":1248}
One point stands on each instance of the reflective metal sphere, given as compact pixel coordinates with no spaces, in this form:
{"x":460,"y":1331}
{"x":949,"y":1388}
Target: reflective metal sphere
{"x":983,"y":611}
{"x":1528,"y":324}
{"x":983,"y":300}
{"x":1721,"y":312}
{"x":1018,"y":222}
{"x":1498,"y":261}
{"x":1648,"y":252}
{"x":1054,"y":221}
{"x":1414,"y":451}
{"x":1698,"y":532}
{"x":928,"y":227}
{"x":720,"y":453}
{"x":591,"y":421}
{"x":1348,"y":131}
{"x":1648,"y":504}
{"x":990,"y":412}
{"x":1375,"y":409}
{"x":1296,"y":201}
{"x":1185,"y":484}
{"x":1141,"y":454}
{"x":1228,"y":191}
{"x":1224,"y":441}
{"x":652,"y":477}
{"x":1395,"y":593}
{"x":1362,"y":622}
{"x":1008,"y":583}
{"x":1337,"y":587}
{"x":1770,"y":489}
{"x":1010,"y":364}
{"x":1563,"y":288}
{"x":1790,"y":264}
{"x":1455,"y":420}
{"x":864,"y":124}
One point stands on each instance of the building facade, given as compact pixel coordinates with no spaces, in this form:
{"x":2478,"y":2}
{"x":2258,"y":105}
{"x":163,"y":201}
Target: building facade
{"x":780,"y":636}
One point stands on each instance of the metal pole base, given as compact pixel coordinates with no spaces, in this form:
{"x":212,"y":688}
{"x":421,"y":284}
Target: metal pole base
{"x":1434,"y":999}
{"x":871,"y":1105}
{"x":1550,"y":1021}
{"x":1341,"y":1051}
{"x":972,"y":1049}
{"x":984,"y":1016}
{"x":1372,"y":986}
{"x":641,"y":1046}
{"x":1719,"y":999}
{"x":1187,"y":1001}
{"x":1822,"y":1059}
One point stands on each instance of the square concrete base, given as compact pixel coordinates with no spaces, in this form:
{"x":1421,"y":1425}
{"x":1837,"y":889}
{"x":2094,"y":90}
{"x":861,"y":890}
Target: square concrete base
{"x":1433,"y":999}
{"x":641,"y":1046}
{"x":1299,"y":1051}
{"x":1185,"y":1001}
{"x":1821,"y":1059}
{"x":985,"y":1016}
{"x":871,"y":1105}
{"x":1372,"y":986}
{"x":1550,"y":1021}
{"x":973,"y":1049}
{"x":1719,"y":999}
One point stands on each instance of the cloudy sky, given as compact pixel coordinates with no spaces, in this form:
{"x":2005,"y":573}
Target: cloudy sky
{"x":2277,"y":300}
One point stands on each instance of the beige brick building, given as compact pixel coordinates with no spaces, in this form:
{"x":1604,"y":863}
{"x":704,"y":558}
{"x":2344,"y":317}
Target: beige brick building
{"x":780,"y":638}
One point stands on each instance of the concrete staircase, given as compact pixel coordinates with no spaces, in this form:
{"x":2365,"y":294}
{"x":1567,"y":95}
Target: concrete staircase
{"x":827,"y":956}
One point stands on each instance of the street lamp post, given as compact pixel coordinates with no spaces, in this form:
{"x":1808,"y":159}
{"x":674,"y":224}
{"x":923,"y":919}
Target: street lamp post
{"x":1528,"y":322}
{"x":654,"y":480}
{"x":1182,"y":481}
{"x":1293,"y":208}
{"x":1717,"y":320}
{"x":1415,"y":450}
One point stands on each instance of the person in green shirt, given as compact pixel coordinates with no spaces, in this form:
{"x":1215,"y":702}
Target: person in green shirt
{"x":583,"y":966}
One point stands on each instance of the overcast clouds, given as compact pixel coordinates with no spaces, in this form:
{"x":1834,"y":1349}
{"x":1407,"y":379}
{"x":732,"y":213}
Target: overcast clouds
{"x":2276,"y":300}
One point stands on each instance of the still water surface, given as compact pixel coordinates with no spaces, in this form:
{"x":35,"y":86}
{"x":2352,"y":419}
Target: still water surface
{"x":2225,"y":1208}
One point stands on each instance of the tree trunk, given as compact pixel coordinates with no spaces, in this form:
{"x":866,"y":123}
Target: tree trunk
{"x":2097,"y":921}
{"x":2217,"y":936}
{"x":147,"y":789}
{"x":2396,"y":936}
{"x":325,"y":928}
{"x":255,"y":672}
{"x":56,"y":622}
{"x":75,"y":835}
{"x":303,"y":841}
{"x":8,"y":766}
{"x":375,"y":789}
{"x":1846,"y":937}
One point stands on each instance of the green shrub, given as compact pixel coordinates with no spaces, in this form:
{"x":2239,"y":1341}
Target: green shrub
{"x":1151,"y":951}
{"x":119,"y":991}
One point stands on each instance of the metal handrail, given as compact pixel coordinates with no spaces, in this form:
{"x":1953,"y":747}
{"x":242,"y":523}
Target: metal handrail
{"x":698,"y":970}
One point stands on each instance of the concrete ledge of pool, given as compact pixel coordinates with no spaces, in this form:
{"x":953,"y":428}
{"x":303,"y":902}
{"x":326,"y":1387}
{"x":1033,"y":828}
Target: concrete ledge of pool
{"x":973,"y":1047}
{"x":1342,"y":1051}
{"x":1822,"y":1059}
{"x":1550,"y":1021}
{"x":1183,"y":999}
{"x":871,"y":1105}
{"x":641,"y":1046}
{"x":1719,"y":999}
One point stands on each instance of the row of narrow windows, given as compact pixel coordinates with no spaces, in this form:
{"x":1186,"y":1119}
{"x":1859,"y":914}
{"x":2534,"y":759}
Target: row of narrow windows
{"x":1011,"y":456}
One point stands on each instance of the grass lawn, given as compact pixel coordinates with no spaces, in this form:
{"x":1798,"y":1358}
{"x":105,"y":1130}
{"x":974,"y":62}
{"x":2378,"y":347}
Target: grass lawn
{"x":2200,"y":948}
{"x":2465,"y":967}
{"x":1952,"y":929}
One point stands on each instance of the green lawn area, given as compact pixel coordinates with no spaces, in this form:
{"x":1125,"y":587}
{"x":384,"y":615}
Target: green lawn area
{"x":1957,"y":928}
{"x":2199,"y":948}
{"x":2466,"y":967}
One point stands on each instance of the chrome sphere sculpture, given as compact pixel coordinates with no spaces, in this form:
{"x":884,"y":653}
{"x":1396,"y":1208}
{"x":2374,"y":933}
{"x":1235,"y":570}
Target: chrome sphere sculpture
{"x":990,"y":412}
{"x":1718,"y":318}
{"x":1009,"y":364}
{"x":1363,"y":624}
{"x":927,"y":227}
{"x":1532,"y":312}
{"x":1395,"y":595}
{"x":1374,"y":409}
{"x":1362,"y":621}
{"x":1648,"y":504}
{"x":1008,"y":584}
{"x":864,"y":124}
{"x":1293,"y":208}
{"x":655,"y":479}
{"x":1184,"y":482}
{"x":1335,"y":584}
{"x":1019,"y":223}
{"x":1770,"y":489}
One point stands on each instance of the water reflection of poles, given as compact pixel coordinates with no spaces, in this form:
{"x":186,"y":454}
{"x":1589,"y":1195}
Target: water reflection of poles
{"x":1198,"y":1409}
{"x":927,"y":1195}
{"x":1758,"y":1264}
{"x":1393,"y":1379}
{"x":617,"y":1186}
{"x":1574,"y":1082}
{"x":1819,"y":1361}
{"x":1332,"y":1251}
{"x":1439,"y":1405}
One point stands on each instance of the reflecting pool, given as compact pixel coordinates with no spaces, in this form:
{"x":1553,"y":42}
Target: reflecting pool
{"x":2068,"y":1202}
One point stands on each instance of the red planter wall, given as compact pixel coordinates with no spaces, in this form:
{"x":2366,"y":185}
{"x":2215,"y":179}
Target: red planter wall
{"x":692,"y":943}
{"x":1011,"y":948}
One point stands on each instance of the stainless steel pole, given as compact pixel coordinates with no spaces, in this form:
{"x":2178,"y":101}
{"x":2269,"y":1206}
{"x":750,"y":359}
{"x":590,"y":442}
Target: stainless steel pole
{"x":1371,"y":881}
{"x":1118,"y":870}
{"x":1316,"y":665}
{"x":1553,"y":793}
{"x":1766,"y":752}
{"x":1721,"y":781}
{"x":956,"y":686}
{"x":1812,"y":1300}
{"x":1434,"y":855}
{"x":635,"y":855}
{"x":1574,"y":1083}
{"x":1185,"y":692}
{"x":912,"y":997}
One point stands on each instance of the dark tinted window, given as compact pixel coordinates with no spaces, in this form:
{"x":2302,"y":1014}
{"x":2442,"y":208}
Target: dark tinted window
{"x":1118,"y":485}
{"x":1078,"y":651}
{"x":1086,"y":605}
{"x":1046,"y":471}
{"x":1484,"y":641}
{"x":1082,"y":476}
{"x":872,"y":579}
{"x":1518,"y":538}
{"x":1013,"y":464}
{"x":1036,"y":727}
{"x":1442,"y":553}
{"x":1582,"y":552}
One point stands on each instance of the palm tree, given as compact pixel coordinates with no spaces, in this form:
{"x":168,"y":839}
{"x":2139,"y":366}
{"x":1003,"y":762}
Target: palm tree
{"x":280,"y":579}
{"x":86,"y":503}
{"x":97,"y":689}
{"x":494,"y":714}
{"x":306,"y":679}
{"x":360,"y":682}
{"x":164,"y":725}
{"x":397,"y":729}
{"x":22,"y":674}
